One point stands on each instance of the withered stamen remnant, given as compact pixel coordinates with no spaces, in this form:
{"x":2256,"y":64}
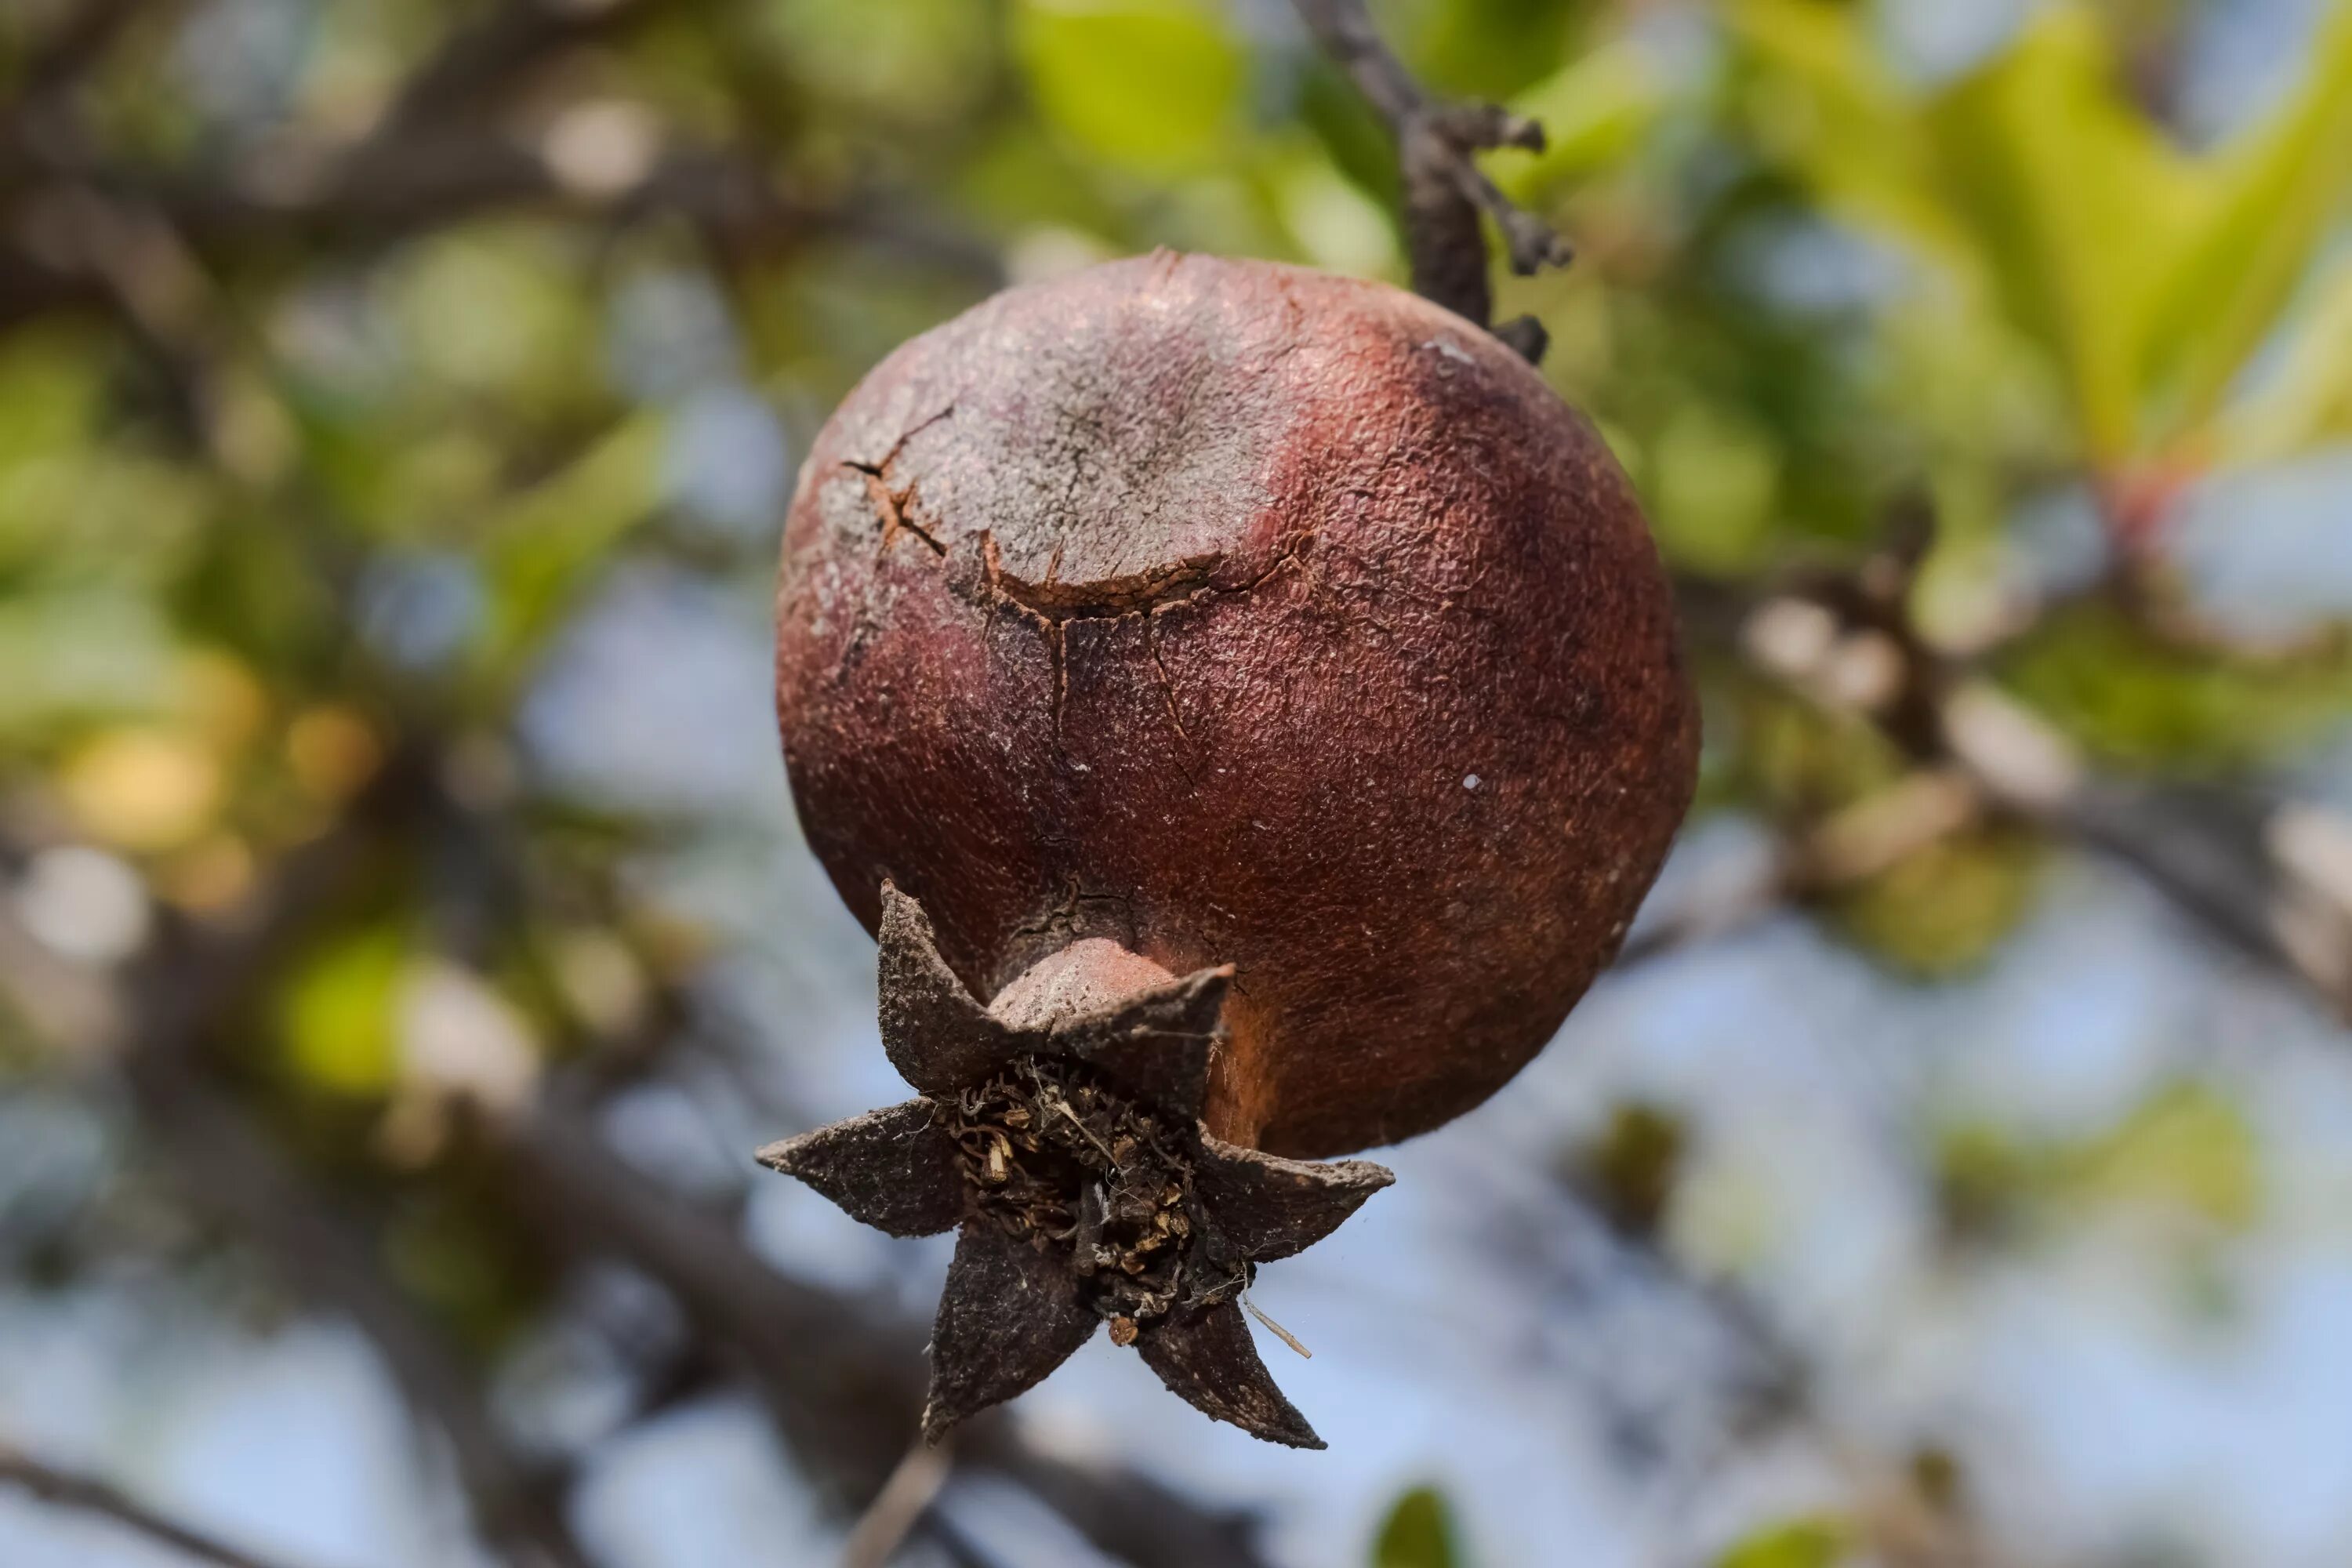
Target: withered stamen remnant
{"x":1277,"y":1330}
{"x":1101,"y":1179}
{"x":1060,"y":1130}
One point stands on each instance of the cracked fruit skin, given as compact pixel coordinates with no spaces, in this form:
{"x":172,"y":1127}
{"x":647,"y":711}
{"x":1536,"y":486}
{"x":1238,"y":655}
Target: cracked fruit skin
{"x":1237,"y":613}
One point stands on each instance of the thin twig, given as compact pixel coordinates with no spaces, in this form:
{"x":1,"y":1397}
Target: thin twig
{"x":1444,"y":191}
{"x":90,"y":1495}
{"x":900,"y":1505}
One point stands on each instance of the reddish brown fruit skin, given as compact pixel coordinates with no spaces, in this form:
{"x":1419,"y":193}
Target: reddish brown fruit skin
{"x":1177,"y":602}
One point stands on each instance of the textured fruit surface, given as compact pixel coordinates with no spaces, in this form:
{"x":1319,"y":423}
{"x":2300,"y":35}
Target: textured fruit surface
{"x":1236,"y":613}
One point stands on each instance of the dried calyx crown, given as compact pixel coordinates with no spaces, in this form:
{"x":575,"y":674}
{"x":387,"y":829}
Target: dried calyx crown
{"x":1059,"y":1127}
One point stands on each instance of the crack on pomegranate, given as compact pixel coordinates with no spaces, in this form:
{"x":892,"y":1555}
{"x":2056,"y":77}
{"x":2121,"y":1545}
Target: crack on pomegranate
{"x":1167,"y":681}
{"x":912,"y":431}
{"x":1107,"y":599}
{"x":895,"y":507}
{"x":1166,"y":686}
{"x":1052,"y":604}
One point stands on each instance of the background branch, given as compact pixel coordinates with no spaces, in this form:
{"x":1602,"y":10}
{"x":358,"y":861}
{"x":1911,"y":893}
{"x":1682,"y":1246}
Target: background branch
{"x":850,"y":1409}
{"x":88,"y":1495}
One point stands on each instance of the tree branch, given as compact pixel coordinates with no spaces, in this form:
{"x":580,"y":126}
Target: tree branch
{"x":475,"y":63}
{"x":80,"y":43}
{"x":844,"y":1379}
{"x":1445,"y":192}
{"x":230,"y":1167}
{"x":189,"y":993}
{"x":2270,"y":879}
{"x":90,"y":1495}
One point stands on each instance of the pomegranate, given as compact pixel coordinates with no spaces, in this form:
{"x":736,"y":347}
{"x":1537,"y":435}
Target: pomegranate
{"x":1223,"y":620}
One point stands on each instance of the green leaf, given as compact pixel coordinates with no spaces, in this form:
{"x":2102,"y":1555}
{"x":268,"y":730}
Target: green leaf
{"x":336,"y":1013}
{"x":1821,"y":99}
{"x":2308,"y":402}
{"x":1418,"y":1533}
{"x":1800,"y":1543}
{"x":496,"y":310}
{"x":2074,"y":202}
{"x":2276,"y":194}
{"x":1594,"y":113}
{"x":2142,"y":704}
{"x":546,"y":545}
{"x":1154,"y":86}
{"x":925,"y":62}
{"x":2186,"y":1149}
{"x":1938,"y":912}
{"x":1490,"y":48}
{"x":79,"y":653}
{"x":1715,"y":476}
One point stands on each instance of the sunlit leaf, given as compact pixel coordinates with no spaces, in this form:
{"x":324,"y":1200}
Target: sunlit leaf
{"x":2186,"y":1149}
{"x":924,"y":61}
{"x":2137,"y":701}
{"x":2276,"y":194}
{"x":143,"y":788}
{"x":2075,"y":202}
{"x":337,"y":1015}
{"x":2308,"y":401}
{"x":496,"y":308}
{"x":1822,"y":99}
{"x":1150,"y":85}
{"x":1334,"y":223}
{"x":1940,"y":912}
{"x":1419,"y":1532}
{"x":79,"y":654}
{"x":542,"y":549}
{"x":1800,"y":1543}
{"x":1594,"y":111}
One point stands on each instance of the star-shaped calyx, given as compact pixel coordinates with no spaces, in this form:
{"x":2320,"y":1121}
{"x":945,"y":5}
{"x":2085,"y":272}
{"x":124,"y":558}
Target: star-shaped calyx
{"x":1060,"y":1128}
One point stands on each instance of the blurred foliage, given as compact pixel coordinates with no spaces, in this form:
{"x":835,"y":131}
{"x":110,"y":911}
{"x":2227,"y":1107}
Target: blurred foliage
{"x":1150,"y":85}
{"x":1800,"y":1543}
{"x":330,"y":424}
{"x":1940,"y":910}
{"x":1629,"y":1171}
{"x":2138,"y":702}
{"x":1419,"y":1532}
{"x":2185,"y":1153}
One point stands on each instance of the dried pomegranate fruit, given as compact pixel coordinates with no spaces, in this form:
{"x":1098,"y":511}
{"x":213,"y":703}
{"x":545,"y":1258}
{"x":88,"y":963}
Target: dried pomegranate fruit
{"x":1188,"y":612}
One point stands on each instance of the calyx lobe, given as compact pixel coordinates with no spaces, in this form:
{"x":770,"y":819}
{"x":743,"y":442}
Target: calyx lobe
{"x":1059,"y":1129}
